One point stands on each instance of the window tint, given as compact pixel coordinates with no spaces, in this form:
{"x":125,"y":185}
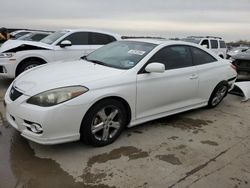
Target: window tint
{"x":201,"y":57}
{"x":173,"y":57}
{"x":222,"y":44}
{"x":205,"y":42}
{"x":38,"y":37}
{"x":214,"y":44}
{"x":79,"y":38}
{"x":100,"y":39}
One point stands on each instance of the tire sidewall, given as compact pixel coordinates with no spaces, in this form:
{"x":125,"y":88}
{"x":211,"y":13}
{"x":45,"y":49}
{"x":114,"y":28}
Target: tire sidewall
{"x":219,"y":86}
{"x":26,"y":64}
{"x":85,"y":130}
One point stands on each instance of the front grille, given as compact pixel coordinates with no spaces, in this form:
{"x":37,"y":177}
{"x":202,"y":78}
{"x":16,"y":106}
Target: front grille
{"x":14,"y":94}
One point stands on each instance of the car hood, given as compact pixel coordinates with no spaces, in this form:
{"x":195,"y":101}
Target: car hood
{"x":20,"y":45}
{"x":242,"y":55}
{"x":62,"y":74}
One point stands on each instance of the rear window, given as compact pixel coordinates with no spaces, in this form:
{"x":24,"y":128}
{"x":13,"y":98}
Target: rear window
{"x":222,"y":44}
{"x":100,"y":39}
{"x":214,"y":44}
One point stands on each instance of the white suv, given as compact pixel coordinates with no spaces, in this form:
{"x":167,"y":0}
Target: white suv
{"x":216,"y":44}
{"x":19,"y":56}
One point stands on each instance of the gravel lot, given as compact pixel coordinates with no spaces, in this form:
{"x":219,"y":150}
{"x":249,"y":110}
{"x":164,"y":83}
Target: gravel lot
{"x":201,"y":148}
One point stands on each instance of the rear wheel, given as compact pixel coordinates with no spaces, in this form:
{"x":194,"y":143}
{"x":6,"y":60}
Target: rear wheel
{"x":103,"y":123}
{"x":218,"y":95}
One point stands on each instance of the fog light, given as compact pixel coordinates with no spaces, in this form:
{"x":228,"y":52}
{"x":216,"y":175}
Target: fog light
{"x":33,"y":127}
{"x":36,"y":128}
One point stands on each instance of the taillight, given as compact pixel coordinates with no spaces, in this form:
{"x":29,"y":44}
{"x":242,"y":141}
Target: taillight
{"x":234,"y":67}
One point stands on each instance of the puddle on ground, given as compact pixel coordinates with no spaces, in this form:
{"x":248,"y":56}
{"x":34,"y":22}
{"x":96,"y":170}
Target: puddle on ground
{"x":21,"y":168}
{"x":180,"y":147}
{"x":183,"y":123}
{"x":128,"y":151}
{"x":209,"y":142}
{"x":171,"y":158}
{"x":173,"y":137}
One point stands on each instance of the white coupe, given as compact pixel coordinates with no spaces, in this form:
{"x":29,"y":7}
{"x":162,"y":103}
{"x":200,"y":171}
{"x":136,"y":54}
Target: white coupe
{"x":122,"y":84}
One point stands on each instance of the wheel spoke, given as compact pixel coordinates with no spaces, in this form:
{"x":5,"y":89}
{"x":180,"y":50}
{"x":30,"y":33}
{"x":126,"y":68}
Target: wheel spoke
{"x":115,"y":125}
{"x":105,"y":134}
{"x":113,"y":114}
{"x":97,"y":128}
{"x":102,"y":114}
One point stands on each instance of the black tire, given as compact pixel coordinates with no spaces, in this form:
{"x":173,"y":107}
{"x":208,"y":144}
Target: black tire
{"x":27,"y":65}
{"x":93,"y":118}
{"x":219,"y":93}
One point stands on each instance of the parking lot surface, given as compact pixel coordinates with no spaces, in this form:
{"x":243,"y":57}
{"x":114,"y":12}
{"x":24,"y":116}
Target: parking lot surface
{"x":200,"y":148}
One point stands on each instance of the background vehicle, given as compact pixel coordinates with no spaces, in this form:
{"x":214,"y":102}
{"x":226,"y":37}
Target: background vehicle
{"x":35,"y":36}
{"x":242,"y":62}
{"x":235,"y":51}
{"x":124,"y":83}
{"x":216,"y":44}
{"x":19,"y":56}
{"x":19,"y":33}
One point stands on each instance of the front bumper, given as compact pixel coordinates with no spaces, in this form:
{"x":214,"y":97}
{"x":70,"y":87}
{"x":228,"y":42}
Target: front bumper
{"x":8,"y":67}
{"x":60,"y":123}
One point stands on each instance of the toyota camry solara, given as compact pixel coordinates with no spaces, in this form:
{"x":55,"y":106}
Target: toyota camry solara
{"x":120,"y":85}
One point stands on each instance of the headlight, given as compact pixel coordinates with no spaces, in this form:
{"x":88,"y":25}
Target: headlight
{"x":57,"y":96}
{"x":6,"y":55}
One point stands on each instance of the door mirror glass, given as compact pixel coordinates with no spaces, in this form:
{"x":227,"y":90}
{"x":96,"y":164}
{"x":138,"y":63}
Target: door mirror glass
{"x":65,"y":43}
{"x":155,"y":68}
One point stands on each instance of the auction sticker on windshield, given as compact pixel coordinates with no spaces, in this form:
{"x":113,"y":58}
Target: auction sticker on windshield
{"x":136,"y":52}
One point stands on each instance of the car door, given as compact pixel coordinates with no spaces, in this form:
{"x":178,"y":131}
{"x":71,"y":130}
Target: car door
{"x":97,"y":40}
{"x":174,"y":89}
{"x":80,"y":46}
{"x":208,"y":71}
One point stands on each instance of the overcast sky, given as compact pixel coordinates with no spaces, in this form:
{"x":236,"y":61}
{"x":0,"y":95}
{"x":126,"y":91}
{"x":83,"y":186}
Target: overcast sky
{"x":229,"y":19}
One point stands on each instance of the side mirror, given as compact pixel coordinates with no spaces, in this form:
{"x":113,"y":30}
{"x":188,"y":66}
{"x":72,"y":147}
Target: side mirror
{"x":65,"y":43}
{"x":205,"y":45}
{"x":155,"y":68}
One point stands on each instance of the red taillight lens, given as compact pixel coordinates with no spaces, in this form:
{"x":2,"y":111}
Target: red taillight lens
{"x":234,"y":67}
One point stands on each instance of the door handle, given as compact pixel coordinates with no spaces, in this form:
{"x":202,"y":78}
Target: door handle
{"x":193,"y":76}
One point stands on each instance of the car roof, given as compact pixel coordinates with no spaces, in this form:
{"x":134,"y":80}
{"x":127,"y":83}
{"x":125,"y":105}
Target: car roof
{"x":162,"y":41}
{"x":92,"y":30}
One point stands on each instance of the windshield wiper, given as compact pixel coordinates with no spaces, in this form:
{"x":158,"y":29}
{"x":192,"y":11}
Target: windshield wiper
{"x":94,"y":61}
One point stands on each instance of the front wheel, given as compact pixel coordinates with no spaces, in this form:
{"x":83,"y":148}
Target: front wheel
{"x":218,"y":95}
{"x":103,"y":123}
{"x":28,"y":65}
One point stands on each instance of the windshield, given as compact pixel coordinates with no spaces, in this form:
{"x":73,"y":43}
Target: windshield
{"x":121,"y":54}
{"x":25,"y":36}
{"x":53,"y":37}
{"x":192,"y":40}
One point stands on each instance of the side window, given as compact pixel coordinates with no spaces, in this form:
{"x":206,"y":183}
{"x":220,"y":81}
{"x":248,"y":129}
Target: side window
{"x":222,"y":44}
{"x":205,"y":42}
{"x":214,"y":44}
{"x":79,"y":38}
{"x":173,"y":57}
{"x":201,"y":57}
{"x":100,"y":39}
